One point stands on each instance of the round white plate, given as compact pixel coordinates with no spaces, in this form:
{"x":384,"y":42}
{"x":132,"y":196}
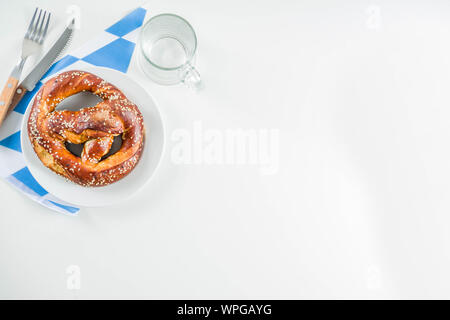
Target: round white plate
{"x":124,"y":188}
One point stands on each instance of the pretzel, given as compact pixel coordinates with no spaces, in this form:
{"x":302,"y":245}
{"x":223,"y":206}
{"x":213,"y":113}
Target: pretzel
{"x":49,"y":130}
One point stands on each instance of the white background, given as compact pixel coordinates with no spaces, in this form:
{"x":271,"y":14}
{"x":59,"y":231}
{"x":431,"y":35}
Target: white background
{"x":359,"y":207}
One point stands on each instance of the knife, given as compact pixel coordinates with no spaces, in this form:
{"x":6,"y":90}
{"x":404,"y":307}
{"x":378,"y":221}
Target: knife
{"x":42,"y":67}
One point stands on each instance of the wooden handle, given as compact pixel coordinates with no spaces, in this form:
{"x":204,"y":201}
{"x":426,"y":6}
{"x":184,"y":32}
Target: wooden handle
{"x":6,"y":97}
{"x":18,"y":95}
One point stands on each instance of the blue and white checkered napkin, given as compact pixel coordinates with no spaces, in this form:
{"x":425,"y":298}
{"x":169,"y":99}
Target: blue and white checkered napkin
{"x":113,"y":48}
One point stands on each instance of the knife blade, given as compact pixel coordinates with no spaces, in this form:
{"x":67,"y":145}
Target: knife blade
{"x":42,"y":67}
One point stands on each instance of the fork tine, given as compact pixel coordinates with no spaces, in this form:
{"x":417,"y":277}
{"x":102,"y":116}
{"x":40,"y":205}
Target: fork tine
{"x":30,"y":27}
{"x":46,"y":28}
{"x":39,"y":34}
{"x":35,"y":29}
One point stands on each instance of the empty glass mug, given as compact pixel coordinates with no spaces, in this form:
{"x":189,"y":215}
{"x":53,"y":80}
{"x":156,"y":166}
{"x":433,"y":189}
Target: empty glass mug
{"x":167,"y":47}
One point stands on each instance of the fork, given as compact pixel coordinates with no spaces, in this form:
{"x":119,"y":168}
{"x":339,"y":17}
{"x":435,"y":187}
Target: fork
{"x":32,"y":42}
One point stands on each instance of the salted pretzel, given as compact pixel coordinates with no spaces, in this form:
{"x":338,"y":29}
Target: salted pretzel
{"x":95,"y":127}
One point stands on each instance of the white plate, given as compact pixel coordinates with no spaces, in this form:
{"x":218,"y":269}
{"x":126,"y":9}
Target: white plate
{"x":124,"y":188}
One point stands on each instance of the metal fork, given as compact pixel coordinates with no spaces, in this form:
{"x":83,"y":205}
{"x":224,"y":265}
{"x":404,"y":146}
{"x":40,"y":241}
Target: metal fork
{"x":34,"y":37}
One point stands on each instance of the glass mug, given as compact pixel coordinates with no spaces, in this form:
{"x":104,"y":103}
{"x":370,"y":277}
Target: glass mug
{"x":167,"y":47}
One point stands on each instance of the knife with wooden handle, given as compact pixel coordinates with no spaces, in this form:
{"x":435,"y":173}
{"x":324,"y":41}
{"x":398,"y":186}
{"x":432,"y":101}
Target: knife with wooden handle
{"x":42,"y":67}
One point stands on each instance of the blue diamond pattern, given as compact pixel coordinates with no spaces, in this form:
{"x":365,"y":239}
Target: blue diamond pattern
{"x":12,"y":142}
{"x":24,"y":176}
{"x":23,"y":104}
{"x":65,"y":207}
{"x":61,"y":64}
{"x":115,"y":55}
{"x":127,"y":24}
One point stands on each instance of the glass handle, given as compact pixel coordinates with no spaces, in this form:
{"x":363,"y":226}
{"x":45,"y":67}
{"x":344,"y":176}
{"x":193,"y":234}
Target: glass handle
{"x":190,"y":77}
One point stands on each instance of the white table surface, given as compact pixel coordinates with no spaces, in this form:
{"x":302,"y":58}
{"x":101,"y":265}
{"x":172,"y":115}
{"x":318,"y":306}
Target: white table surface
{"x":358,"y":208}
